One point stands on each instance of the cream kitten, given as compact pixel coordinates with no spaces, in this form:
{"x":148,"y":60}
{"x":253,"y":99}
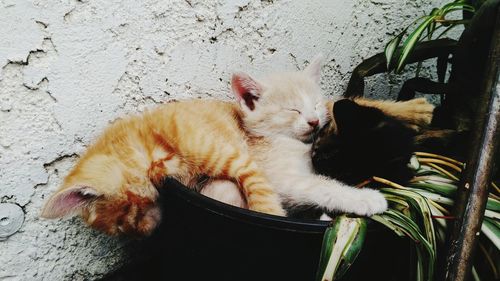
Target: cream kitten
{"x":280,"y":113}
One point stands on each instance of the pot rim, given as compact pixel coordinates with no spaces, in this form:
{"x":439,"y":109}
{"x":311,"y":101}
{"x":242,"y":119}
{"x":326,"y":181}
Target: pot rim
{"x":174,"y":188}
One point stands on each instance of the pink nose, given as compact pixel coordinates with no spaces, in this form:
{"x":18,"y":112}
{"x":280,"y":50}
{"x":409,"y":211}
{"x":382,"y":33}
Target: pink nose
{"x":313,"y":123}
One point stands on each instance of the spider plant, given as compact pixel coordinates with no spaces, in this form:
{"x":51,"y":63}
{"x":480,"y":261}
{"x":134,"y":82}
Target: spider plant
{"x":425,"y":28}
{"x":419,"y":210}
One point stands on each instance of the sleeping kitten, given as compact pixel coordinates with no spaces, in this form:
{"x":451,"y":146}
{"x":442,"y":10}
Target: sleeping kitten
{"x":113,"y":184}
{"x":366,"y":143}
{"x":281,"y":113}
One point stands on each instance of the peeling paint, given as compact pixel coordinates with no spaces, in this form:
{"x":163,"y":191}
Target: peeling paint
{"x":68,"y":68}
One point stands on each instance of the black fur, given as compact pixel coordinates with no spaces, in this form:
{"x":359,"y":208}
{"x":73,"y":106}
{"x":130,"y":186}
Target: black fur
{"x":368,"y":143}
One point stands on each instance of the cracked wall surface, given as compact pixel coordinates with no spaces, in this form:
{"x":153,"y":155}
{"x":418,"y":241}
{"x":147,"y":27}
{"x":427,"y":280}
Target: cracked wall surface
{"x":67,"y":68}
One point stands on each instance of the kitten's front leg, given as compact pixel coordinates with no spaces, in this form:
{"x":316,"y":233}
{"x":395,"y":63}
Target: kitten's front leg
{"x":416,"y":112}
{"x":332,"y":195}
{"x":170,"y":165}
{"x":157,"y":172}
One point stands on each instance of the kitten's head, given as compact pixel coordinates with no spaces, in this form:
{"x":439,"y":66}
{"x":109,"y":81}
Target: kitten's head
{"x":107,"y":197}
{"x":285,"y":104}
{"x":363,"y":142}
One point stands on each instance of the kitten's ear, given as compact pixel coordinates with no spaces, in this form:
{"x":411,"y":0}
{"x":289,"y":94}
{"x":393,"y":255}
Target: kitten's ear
{"x":351,"y":117}
{"x":68,"y":201}
{"x":314,"y":68}
{"x":246,"y":89}
{"x":346,"y":114}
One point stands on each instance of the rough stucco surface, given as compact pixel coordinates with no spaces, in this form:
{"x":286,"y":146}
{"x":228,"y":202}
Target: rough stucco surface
{"x":67,"y":68}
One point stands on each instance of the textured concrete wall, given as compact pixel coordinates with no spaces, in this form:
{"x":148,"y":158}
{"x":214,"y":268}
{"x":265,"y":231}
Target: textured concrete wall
{"x":67,"y":68}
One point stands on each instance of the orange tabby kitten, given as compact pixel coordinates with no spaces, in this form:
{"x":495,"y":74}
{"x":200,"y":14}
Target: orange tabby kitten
{"x":113,"y":184}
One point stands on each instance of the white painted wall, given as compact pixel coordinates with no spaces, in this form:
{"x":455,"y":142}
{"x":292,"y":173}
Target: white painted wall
{"x":68,"y":67}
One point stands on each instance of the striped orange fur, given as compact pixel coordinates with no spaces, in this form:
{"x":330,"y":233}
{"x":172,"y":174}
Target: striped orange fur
{"x":113,"y":183}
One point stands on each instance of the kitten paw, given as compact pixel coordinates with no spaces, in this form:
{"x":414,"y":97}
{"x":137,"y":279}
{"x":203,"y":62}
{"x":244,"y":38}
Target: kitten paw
{"x":417,"y":112}
{"x":157,"y":172}
{"x":371,"y":202}
{"x":225,"y":191}
{"x":271,"y":208}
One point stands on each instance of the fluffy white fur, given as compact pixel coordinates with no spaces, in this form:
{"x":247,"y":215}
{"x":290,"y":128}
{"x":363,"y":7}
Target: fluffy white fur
{"x":225,"y":191}
{"x":284,"y":110}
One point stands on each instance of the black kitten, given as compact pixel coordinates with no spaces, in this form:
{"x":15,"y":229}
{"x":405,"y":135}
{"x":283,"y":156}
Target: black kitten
{"x":366,"y":143}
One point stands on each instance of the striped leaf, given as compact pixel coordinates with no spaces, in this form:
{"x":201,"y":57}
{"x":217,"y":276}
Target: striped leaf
{"x":342,"y":243}
{"x":391,"y":47}
{"x":411,"y":42}
{"x":491,"y":229}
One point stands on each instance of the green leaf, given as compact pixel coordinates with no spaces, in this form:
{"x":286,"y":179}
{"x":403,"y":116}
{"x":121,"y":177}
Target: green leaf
{"x":474,"y":274}
{"x":342,"y":243}
{"x":436,"y":172}
{"x":435,"y":11}
{"x":471,"y":9}
{"x":326,"y":249}
{"x":434,"y":197}
{"x":451,"y":5}
{"x":440,"y":224}
{"x":432,"y":26}
{"x":425,"y":171}
{"x":493,"y":204}
{"x":411,"y":42}
{"x":491,"y":214}
{"x":425,"y":266}
{"x":430,"y":30}
{"x":422,"y":210}
{"x":391,"y":47}
{"x":444,"y":189}
{"x":491,"y":231}
{"x":454,"y":7}
{"x":397,"y":203}
{"x":411,"y":214}
{"x":388,"y":224}
{"x":352,"y":251}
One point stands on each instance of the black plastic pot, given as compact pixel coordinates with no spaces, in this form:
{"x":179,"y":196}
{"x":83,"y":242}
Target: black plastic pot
{"x":204,"y":239}
{"x":209,"y":240}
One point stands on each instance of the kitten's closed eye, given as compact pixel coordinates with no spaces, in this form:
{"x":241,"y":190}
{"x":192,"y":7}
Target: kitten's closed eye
{"x":294,"y":110}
